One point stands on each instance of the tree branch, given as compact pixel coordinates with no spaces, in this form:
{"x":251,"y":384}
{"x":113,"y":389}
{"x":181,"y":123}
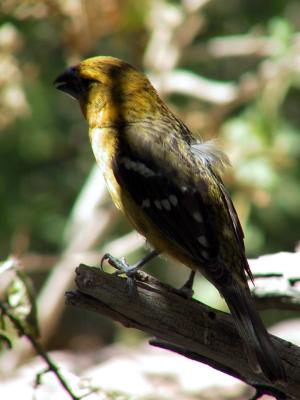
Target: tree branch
{"x":185,"y":326}
{"x":276,"y":278}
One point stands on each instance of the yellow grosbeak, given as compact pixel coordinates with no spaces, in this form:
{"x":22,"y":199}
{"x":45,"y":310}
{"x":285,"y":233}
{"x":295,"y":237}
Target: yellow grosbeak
{"x":169,"y":186}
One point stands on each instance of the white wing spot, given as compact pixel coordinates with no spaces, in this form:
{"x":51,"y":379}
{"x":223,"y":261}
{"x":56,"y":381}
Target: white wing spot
{"x":158,"y":204}
{"x":138,"y":167}
{"x":173,"y":200}
{"x":166,"y":204}
{"x":146,"y":203}
{"x":198,"y":217}
{"x":202,"y":240}
{"x":205,"y":254}
{"x":143,"y":170}
{"x":127,"y":163}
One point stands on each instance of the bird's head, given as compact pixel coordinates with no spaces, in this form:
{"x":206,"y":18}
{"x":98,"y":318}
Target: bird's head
{"x":109,"y":91}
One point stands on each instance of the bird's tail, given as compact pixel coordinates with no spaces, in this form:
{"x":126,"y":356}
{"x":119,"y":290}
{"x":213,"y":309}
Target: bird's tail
{"x":261,"y":351}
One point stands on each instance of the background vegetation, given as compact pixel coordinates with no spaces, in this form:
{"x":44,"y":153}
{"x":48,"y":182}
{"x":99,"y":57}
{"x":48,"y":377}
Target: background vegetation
{"x":230,"y":70}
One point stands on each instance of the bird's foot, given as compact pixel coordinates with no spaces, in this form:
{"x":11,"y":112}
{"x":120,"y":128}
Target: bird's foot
{"x":123,"y":267}
{"x":187,"y":289}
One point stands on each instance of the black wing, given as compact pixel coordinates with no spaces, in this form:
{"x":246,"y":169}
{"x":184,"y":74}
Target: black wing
{"x":176,"y":209}
{"x":183,"y":213}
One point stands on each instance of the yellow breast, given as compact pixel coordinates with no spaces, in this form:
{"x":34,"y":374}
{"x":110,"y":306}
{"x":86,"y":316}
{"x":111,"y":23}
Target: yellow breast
{"x":103,"y":142}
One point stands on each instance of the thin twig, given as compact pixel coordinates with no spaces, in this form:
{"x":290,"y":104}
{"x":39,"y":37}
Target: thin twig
{"x":38,"y":348}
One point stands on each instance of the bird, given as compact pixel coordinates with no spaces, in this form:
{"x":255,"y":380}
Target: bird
{"x":168,"y":183}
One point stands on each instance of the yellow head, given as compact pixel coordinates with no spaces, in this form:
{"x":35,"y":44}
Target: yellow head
{"x":110,"y":91}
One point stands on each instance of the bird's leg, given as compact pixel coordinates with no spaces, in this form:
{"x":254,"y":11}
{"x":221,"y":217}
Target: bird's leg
{"x":187,"y":289}
{"x":124,"y":268}
{"x":129,"y":270}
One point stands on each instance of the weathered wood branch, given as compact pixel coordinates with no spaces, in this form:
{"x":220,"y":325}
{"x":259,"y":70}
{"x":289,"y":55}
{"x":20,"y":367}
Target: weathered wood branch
{"x":185,"y":326}
{"x":276,"y":278}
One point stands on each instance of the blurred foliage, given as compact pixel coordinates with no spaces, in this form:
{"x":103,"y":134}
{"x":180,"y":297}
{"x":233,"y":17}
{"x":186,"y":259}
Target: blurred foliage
{"x":45,"y":154}
{"x":19,"y":297}
{"x":41,"y":132}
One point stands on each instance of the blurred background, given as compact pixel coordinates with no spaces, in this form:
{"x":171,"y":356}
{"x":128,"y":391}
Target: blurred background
{"x":230,"y":70}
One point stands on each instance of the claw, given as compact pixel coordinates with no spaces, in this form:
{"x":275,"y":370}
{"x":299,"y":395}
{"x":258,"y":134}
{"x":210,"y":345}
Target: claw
{"x":122,"y":267}
{"x":120,"y":264}
{"x":185,"y":292}
{"x":187,"y":289}
{"x":123,"y":260}
{"x":104,"y":258}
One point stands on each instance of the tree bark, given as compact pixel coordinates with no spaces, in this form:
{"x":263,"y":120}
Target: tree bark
{"x":182,"y":325}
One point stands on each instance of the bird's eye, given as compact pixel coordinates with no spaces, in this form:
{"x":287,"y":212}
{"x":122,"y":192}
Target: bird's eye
{"x":85,"y":83}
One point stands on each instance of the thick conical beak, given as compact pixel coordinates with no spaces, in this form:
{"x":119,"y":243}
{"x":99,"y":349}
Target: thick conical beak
{"x":70,"y":83}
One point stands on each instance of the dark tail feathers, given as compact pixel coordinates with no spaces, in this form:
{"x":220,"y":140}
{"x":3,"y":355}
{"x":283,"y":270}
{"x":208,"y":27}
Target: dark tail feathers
{"x":253,"y":332}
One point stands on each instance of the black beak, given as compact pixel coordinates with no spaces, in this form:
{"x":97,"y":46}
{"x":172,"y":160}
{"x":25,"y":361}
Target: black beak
{"x":70,"y":83}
